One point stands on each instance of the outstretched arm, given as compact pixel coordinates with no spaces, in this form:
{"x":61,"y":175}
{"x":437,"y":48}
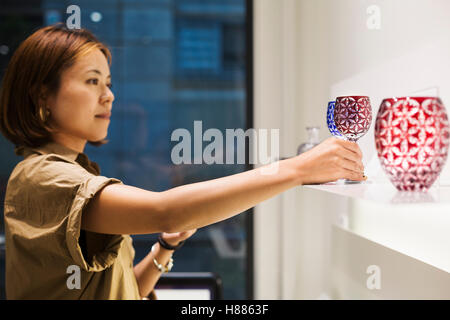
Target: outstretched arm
{"x":121,"y":209}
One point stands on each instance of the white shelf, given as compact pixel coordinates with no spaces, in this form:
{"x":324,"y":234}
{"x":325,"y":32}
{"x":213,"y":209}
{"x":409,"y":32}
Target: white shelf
{"x":413,"y":223}
{"x":386,"y":193}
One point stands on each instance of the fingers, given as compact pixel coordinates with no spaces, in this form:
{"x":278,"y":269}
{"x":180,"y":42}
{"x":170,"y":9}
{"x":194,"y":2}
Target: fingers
{"x":171,"y":236}
{"x":351,"y":155}
{"x":179,"y":235}
{"x":353,"y":161}
{"x":350,"y":160}
{"x":187,"y":234}
{"x":333,"y":159}
{"x":350,"y":166}
{"x":355,"y":176}
{"x":351,"y":146}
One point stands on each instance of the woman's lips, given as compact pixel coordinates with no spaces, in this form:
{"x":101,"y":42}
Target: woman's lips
{"x":104,"y":116}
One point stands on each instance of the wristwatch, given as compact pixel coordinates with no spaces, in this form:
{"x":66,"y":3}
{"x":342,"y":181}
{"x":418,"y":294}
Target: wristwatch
{"x":167,"y":246}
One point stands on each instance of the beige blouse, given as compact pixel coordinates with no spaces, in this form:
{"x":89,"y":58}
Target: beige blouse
{"x":48,"y":256}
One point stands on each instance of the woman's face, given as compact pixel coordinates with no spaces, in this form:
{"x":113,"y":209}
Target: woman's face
{"x":81,"y":108}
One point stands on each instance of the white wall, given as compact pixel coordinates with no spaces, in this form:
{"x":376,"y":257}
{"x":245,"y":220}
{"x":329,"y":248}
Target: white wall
{"x":341,"y":55}
{"x":269,"y":113}
{"x":307,"y":52}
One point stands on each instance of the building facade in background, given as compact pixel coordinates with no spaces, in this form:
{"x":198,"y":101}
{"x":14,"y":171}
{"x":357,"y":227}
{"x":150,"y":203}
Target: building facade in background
{"x":173,"y":62}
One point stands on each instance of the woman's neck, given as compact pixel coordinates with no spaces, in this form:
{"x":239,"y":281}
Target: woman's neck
{"x":70,"y":142}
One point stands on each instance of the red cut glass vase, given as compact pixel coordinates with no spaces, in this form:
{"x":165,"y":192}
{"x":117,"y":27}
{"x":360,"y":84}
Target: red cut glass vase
{"x":412,"y":139}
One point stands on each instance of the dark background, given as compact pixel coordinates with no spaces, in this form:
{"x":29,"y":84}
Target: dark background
{"x":173,"y":62}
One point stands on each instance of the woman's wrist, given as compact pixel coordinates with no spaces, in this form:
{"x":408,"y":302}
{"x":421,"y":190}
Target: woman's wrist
{"x":294,"y":168}
{"x":162,"y":257}
{"x":170,"y":242}
{"x":169,"y":245}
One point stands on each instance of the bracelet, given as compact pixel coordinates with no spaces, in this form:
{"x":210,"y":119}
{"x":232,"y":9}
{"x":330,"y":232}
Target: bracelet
{"x":164,"y":269}
{"x":167,"y":246}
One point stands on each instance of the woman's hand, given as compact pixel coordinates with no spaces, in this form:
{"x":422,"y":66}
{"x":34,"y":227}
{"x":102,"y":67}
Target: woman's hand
{"x":175,"y":238}
{"x":331,"y":160}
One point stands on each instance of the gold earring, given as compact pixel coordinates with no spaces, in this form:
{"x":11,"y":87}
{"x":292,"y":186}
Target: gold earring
{"x":44,"y":114}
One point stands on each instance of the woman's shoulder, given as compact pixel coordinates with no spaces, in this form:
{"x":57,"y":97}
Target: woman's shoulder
{"x":38,"y":167}
{"x":46,"y":171}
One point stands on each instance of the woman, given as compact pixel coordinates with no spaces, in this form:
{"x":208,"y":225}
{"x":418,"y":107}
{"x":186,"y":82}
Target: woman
{"x":62,"y":215}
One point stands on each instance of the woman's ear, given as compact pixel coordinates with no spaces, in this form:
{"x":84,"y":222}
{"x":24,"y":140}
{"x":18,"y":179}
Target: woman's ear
{"x":45,"y":99}
{"x":45,"y":105}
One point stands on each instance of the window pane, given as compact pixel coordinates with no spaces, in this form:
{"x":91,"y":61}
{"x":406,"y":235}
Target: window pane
{"x":174,"y":62}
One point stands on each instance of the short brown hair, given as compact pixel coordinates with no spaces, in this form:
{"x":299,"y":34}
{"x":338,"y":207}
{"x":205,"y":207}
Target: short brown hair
{"x":35,"y":68}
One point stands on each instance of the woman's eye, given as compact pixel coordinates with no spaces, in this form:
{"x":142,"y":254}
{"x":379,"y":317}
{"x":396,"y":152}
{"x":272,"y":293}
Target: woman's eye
{"x":95,"y":82}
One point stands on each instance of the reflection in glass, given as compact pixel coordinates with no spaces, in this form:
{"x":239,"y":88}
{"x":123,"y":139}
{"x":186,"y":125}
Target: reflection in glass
{"x":404,"y":197}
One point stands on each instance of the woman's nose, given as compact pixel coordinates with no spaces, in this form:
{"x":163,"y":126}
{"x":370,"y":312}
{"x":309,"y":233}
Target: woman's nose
{"x":108,"y":95}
